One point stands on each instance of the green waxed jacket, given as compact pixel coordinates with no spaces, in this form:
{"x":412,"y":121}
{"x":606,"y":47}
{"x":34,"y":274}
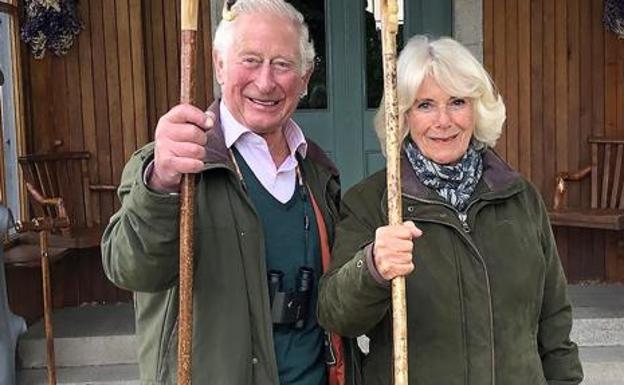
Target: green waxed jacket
{"x":232,"y":332}
{"x":487,"y":302}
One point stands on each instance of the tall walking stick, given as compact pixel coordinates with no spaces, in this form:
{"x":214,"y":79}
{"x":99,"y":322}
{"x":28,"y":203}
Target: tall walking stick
{"x":43,"y":226}
{"x":187,"y":95}
{"x":47,"y":305}
{"x":389,"y":29}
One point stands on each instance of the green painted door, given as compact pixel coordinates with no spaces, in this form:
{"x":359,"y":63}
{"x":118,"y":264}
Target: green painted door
{"x":345,"y":90}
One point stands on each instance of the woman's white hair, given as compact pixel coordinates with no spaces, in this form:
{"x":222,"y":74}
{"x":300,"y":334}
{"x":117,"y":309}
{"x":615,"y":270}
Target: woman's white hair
{"x":458,"y":73}
{"x":224,"y":36}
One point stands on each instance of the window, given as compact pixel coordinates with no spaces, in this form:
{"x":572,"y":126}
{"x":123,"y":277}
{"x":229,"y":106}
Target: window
{"x":314,"y":13}
{"x":10,"y":107}
{"x":374,"y":63}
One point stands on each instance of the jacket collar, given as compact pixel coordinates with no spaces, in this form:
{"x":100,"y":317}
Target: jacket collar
{"x":217,"y":151}
{"x":498,"y":177}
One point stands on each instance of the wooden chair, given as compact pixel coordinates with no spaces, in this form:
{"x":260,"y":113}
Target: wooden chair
{"x":606,"y":208}
{"x":59,"y":186}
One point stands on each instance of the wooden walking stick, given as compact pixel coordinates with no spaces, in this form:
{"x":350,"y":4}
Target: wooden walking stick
{"x":43,"y":226}
{"x":188,"y":59}
{"x":389,"y":29}
{"x":47,"y":305}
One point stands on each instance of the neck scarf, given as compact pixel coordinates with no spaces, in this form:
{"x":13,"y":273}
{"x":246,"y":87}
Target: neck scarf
{"x":454,"y":183}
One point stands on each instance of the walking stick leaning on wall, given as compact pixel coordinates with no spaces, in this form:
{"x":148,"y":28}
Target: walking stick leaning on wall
{"x":389,"y":28}
{"x":43,"y":226}
{"x":188,"y":53}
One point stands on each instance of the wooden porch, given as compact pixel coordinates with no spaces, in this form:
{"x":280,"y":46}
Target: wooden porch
{"x":560,"y":72}
{"x":562,"y":76}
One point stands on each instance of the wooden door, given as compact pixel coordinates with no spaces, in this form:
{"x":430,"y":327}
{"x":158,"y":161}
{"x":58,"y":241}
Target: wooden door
{"x":347,"y":86}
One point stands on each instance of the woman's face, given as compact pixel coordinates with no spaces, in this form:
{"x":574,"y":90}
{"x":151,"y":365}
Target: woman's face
{"x":440,"y":124}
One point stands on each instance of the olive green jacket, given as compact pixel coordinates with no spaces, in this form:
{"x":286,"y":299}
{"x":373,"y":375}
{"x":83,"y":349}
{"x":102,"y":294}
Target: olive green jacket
{"x":487,"y":302}
{"x":232,"y":332}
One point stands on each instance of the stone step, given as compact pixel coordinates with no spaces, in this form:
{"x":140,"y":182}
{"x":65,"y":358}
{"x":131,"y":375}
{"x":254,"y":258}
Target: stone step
{"x":603,"y":365}
{"x":97,"y":343}
{"x":598,"y":312}
{"x":598,"y":332}
{"x":83,"y":336}
{"x":92,"y":375}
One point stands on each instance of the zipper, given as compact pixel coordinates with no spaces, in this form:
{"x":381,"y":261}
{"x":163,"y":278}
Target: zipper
{"x":463,"y":218}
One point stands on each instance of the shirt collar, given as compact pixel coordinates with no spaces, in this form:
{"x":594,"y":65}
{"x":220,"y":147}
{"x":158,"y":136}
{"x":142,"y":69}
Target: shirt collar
{"x":233,"y":131}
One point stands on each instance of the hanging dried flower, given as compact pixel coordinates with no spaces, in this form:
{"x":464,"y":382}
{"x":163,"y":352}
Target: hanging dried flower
{"x":613,"y":17}
{"x":50,"y":24}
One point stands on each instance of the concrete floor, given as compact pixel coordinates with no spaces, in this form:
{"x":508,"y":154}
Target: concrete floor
{"x":92,"y":339}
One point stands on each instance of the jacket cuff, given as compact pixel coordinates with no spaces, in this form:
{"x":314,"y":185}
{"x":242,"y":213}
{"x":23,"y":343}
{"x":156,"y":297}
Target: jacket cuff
{"x":372,"y":269}
{"x":147,"y":174}
{"x":153,"y":203}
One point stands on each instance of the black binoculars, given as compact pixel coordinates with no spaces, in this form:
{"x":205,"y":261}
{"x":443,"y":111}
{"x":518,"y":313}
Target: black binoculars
{"x":290,"y":307}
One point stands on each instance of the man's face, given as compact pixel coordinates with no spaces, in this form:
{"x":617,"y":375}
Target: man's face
{"x":260,"y":74}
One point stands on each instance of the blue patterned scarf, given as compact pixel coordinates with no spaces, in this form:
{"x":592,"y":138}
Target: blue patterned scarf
{"x":455,"y":183}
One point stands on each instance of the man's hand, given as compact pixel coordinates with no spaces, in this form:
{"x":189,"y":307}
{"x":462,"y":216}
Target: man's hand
{"x":180,"y":137}
{"x":393,"y":247}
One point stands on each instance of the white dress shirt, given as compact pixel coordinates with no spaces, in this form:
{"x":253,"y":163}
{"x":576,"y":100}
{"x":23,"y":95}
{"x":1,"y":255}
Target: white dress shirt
{"x":279,"y":181}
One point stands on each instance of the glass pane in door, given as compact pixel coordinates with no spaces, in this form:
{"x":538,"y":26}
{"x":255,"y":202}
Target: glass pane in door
{"x":374,"y":64}
{"x":314,"y":13}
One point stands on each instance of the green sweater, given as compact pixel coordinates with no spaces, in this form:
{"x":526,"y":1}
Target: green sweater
{"x":290,"y":246}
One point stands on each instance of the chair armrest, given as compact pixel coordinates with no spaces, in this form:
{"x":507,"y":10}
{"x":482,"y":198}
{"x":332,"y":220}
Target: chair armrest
{"x":56,"y":202}
{"x":561,"y":187}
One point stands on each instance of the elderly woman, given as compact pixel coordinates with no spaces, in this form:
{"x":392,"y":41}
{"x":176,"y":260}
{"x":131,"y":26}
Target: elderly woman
{"x":487,"y":300}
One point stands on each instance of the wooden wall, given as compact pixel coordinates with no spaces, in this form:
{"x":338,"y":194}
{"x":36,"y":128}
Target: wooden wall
{"x":562,"y":76}
{"x":104,"y":97}
{"x":561,"y":73}
{"x":162,"y":57}
{"x":94,"y":98}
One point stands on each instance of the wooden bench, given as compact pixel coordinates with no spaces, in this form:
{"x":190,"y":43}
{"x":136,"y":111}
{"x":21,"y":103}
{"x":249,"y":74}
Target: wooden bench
{"x":606,"y":208}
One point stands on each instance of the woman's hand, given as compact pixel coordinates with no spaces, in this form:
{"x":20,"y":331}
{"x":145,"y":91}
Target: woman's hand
{"x":392,"y":251}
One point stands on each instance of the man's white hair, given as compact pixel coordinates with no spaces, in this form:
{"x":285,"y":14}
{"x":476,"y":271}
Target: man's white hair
{"x":224,"y":36}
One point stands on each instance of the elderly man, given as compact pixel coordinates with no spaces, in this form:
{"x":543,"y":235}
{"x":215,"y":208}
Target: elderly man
{"x":265,"y":209}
